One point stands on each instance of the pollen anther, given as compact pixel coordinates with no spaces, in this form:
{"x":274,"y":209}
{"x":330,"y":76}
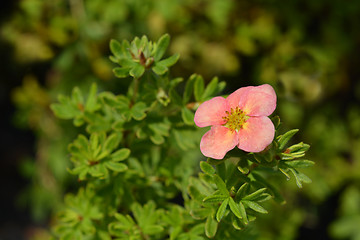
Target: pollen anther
{"x":235,"y":119}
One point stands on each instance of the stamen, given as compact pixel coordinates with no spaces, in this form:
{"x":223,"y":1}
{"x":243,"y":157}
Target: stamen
{"x":235,"y":119}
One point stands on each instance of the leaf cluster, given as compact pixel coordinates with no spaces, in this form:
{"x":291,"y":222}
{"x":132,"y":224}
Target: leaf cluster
{"x":135,"y":159}
{"x":141,"y":54}
{"x":137,"y":151}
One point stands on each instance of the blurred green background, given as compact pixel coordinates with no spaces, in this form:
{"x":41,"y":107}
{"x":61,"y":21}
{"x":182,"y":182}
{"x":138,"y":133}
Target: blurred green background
{"x":308,"y":50}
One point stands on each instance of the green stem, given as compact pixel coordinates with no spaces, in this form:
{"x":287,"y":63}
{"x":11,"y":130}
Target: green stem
{"x":252,"y":167}
{"x":136,"y":88}
{"x":221,"y":170}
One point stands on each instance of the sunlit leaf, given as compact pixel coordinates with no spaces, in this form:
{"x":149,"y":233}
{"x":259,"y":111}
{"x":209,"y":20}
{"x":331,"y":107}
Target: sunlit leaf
{"x":221,"y":210}
{"x":211,"y":226}
{"x":284,"y":139}
{"x":161,"y":47}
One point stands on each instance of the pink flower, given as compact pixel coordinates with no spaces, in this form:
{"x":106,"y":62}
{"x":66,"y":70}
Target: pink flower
{"x":239,"y":120}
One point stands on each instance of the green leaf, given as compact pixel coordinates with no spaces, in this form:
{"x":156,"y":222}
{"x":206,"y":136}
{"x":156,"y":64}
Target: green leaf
{"x":137,"y":71}
{"x":197,"y":230}
{"x":199,"y":184}
{"x":284,"y":139}
{"x":174,"y":82}
{"x":103,"y":170}
{"x":304,"y":178}
{"x":214,"y":198}
{"x":276,"y":121}
{"x":300,"y":147}
{"x":138,"y":111}
{"x":174,"y":235}
{"x":121,"y":72}
{"x":200,"y":213}
{"x":122,"y":102}
{"x":104,"y":235}
{"x":263,"y":197}
{"x":210,"y":88}
{"x":299,"y":163}
{"x":221,"y":169}
{"x":189,"y":88}
{"x":243,"y":213}
{"x":101,"y":154}
{"x":127,"y":220}
{"x":115,"y":48}
{"x":128,"y":63}
{"x":211,"y":226}
{"x":97,"y":122}
{"x":78,"y":169}
{"x":284,"y":171}
{"x":146,"y":215}
{"x":195,"y":193}
{"x":198,"y":88}
{"x":94,"y":141}
{"x":65,"y":111}
{"x":115,"y":166}
{"x":81,"y":141}
{"x":78,"y":121}
{"x":95,"y":171}
{"x":168,"y":62}
{"x":234,"y":207}
{"x":207,"y":168}
{"x":77,"y":96}
{"x":112,"y":142}
{"x":221,"y":210}
{"x":161,"y":128}
{"x":300,"y":177}
{"x":254,"y":206}
{"x":161,"y":47}
{"x":273,"y":191}
{"x":83,"y":173}
{"x":91,"y":102}
{"x":243,"y":166}
{"x":243,"y":190}
{"x":159,"y":69}
{"x":124,"y":224}
{"x":184,"y":139}
{"x":215,"y":162}
{"x":255,"y":194}
{"x":291,"y":156}
{"x":221,"y":185}
{"x":153,"y":229}
{"x":108,"y":98}
{"x":135,"y":44}
{"x":235,"y":223}
{"x":143,"y":42}
{"x":175,"y":97}
{"x":187,"y":116}
{"x":160,"y":94}
{"x":157,"y":139}
{"x":221,"y":86}
{"x":120,"y":155}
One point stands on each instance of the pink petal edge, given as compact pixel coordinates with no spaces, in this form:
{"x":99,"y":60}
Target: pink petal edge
{"x":258,"y":101}
{"x":234,"y":98}
{"x":256,"y":134}
{"x":211,"y":112}
{"x":217,"y":142}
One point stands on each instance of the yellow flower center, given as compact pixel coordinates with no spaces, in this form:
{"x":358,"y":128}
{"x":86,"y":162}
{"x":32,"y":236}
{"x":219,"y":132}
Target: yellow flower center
{"x":235,"y":119}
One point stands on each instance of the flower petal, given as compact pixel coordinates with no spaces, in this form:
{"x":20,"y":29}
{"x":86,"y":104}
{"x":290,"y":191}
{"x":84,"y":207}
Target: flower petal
{"x":217,"y":142}
{"x":258,"y":101}
{"x":211,"y":112}
{"x":234,"y":98}
{"x":256,"y":134}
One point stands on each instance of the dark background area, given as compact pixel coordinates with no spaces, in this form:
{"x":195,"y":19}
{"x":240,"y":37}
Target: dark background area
{"x":15,"y":145}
